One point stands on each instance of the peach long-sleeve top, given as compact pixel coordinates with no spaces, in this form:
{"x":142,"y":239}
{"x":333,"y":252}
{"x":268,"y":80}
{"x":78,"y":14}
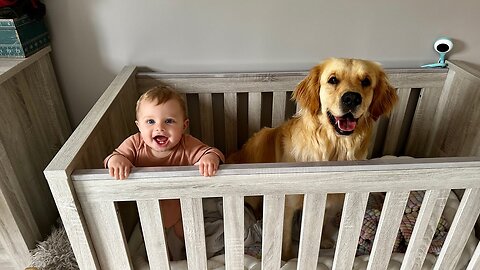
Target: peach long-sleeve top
{"x":187,"y":152}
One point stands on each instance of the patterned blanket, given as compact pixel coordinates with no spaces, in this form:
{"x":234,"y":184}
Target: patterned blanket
{"x":372,"y":217}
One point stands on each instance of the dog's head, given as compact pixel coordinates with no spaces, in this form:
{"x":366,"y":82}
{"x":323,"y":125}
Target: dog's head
{"x":345,"y":91}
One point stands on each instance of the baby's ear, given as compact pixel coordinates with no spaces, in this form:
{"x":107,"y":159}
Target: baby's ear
{"x":136,"y":123}
{"x":185,"y":124}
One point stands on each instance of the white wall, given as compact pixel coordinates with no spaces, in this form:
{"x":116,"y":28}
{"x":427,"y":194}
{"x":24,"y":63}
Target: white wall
{"x":93,"y":39}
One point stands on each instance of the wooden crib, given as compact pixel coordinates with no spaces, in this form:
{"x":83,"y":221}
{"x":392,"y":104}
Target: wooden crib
{"x":436,"y":120}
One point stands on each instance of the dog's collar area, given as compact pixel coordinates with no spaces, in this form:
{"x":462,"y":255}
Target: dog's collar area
{"x":344,"y":125}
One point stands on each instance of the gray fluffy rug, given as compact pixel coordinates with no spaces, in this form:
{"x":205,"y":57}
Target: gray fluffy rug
{"x":55,"y":253}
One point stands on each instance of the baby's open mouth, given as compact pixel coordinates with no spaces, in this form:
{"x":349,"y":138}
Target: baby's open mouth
{"x":345,"y":124}
{"x":160,"y":140}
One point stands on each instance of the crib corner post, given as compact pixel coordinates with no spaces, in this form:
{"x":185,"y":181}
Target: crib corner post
{"x":68,"y":206}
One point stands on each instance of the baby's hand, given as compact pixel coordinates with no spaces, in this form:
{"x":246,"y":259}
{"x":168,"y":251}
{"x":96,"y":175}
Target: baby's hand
{"x":208,"y":164}
{"x":119,"y":167}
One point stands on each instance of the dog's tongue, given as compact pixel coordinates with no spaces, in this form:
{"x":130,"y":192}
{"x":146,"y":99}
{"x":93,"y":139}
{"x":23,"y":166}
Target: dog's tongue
{"x":346,"y":123}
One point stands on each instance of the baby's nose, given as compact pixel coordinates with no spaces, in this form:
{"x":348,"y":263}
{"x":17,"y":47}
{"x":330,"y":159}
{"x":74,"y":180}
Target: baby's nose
{"x":161,"y":126}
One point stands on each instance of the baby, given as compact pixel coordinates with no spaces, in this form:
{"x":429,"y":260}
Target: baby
{"x":162,"y":121}
{"x":161,"y":141}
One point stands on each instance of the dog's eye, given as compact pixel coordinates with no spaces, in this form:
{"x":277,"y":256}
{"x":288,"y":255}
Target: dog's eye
{"x":333,"y":80}
{"x":366,"y":82}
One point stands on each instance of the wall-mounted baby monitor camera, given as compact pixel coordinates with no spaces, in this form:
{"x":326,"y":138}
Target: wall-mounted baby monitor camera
{"x":442,"y":46}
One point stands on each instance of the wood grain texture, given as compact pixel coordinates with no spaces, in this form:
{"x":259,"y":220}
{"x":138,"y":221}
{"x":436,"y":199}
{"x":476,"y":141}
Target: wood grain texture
{"x":97,"y":136}
{"x":310,"y":234}
{"x":34,"y":126}
{"x":420,"y":128}
{"x":430,"y":212}
{"x":475,"y":261}
{"x":456,"y":108}
{"x":233,"y":213}
{"x":387,"y":230}
{"x":153,"y":234}
{"x":206,"y":118}
{"x":73,"y":219}
{"x":107,"y":234}
{"x":278,"y":110}
{"x":254,"y":112}
{"x":460,"y":229}
{"x":301,"y":178}
{"x":395,"y":123}
{"x":194,"y":232}
{"x":277,"y":81}
{"x":231,"y":132}
{"x":349,"y":231}
{"x":82,"y":149}
{"x":272,"y":230}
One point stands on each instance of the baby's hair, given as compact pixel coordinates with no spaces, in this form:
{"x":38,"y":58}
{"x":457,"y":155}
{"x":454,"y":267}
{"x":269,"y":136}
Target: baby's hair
{"x":162,"y":94}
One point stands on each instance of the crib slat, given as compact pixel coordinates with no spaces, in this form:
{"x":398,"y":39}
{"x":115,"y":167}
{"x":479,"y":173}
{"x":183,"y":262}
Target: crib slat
{"x":430,"y":212}
{"x":254,"y":112}
{"x":395,"y":123}
{"x":206,"y":118}
{"x":352,"y":220}
{"x":311,"y":231}
{"x":461,"y":227}
{"x":420,"y":128}
{"x":390,"y":218}
{"x":234,"y":232}
{"x":278,"y":108}
{"x":192,"y":215}
{"x":153,"y":235}
{"x":297,"y":107}
{"x":104,"y":225}
{"x":230,"y":105}
{"x":373,"y":140}
{"x":273,"y":213}
{"x":475,"y":260}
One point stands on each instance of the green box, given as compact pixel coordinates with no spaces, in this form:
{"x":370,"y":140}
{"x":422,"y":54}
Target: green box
{"x":22,"y":36}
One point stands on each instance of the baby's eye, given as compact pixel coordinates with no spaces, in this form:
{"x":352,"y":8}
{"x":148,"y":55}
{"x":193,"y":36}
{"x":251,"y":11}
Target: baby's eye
{"x":169,"y":121}
{"x":150,"y":121}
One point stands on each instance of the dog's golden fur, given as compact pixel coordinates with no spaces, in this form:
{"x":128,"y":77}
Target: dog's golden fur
{"x":340,"y":99}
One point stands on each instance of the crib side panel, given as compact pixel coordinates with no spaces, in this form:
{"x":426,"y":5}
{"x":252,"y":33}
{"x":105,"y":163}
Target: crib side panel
{"x":432,"y":207}
{"x":108,"y":237}
{"x":109,"y":121}
{"x":433,"y":119}
{"x":455,"y":124}
{"x":226,"y":109}
{"x":462,"y":225}
{"x":276,"y":181}
{"x":406,"y":129}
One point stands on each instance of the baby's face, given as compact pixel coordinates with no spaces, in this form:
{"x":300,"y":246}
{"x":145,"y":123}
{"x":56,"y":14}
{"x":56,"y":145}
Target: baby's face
{"x":161,"y":125}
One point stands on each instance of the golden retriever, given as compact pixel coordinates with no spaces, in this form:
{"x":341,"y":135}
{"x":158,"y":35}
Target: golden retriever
{"x":340,"y":99}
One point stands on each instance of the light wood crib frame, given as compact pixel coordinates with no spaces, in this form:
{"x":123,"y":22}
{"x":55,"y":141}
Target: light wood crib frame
{"x":436,"y":120}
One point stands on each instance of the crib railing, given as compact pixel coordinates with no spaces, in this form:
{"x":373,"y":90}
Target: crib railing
{"x":227,"y":108}
{"x":98,"y":194}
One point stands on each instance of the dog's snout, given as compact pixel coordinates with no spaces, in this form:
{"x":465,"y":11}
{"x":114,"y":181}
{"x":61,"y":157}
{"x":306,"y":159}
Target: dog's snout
{"x":350,"y":100}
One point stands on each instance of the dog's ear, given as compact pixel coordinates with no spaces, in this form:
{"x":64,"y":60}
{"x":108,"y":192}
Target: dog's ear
{"x":384,"y":97}
{"x":307,"y":93}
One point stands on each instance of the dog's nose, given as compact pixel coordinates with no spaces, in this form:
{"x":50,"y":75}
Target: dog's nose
{"x":350,"y":100}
